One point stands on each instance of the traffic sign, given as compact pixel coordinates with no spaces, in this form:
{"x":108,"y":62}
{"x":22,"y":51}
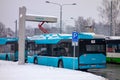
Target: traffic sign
{"x":74,"y":43}
{"x":74,"y":36}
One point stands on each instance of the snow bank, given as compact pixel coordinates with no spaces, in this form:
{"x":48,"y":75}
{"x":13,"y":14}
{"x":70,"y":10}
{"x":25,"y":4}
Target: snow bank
{"x":12,"y":71}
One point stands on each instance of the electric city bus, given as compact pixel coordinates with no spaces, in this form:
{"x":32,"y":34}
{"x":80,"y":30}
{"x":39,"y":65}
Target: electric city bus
{"x":113,"y":49}
{"x":56,"y":50}
{"x":9,"y":49}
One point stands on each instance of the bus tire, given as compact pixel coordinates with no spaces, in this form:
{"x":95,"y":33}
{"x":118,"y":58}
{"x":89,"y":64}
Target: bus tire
{"x":60,"y":64}
{"x":35,"y":60}
{"x":26,"y":61}
{"x":6,"y":58}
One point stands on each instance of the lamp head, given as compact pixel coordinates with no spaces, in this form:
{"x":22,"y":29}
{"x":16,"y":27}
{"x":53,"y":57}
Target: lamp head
{"x":74,"y":4}
{"x":47,"y":1}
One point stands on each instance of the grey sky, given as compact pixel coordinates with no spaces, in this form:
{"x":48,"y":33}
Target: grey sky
{"x":9,"y":9}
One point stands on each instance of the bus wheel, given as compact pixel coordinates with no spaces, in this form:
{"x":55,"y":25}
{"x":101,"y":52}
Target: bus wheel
{"x":7,"y":57}
{"x":60,"y":64}
{"x":26,"y":61}
{"x":35,"y":61}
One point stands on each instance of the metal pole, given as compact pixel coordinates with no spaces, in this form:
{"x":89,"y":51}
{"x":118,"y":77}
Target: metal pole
{"x":74,"y":57}
{"x":16,"y":28}
{"x":60,"y":18}
{"x":111,"y":28}
{"x":61,"y":5}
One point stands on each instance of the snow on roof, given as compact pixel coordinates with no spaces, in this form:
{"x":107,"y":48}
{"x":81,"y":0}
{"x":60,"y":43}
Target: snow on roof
{"x":63,"y":36}
{"x":88,"y":33}
{"x":95,"y":35}
{"x":99,"y":36}
{"x":37,"y":37}
{"x":12,"y":71}
{"x":113,"y":37}
{"x":50,"y":36}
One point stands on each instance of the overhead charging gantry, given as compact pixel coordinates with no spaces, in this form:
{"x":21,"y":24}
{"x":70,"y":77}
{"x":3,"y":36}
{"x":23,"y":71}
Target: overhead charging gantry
{"x":41,"y":28}
{"x":23,"y":17}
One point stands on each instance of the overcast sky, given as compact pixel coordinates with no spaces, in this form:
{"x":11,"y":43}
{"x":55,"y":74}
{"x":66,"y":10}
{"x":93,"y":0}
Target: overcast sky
{"x":9,"y":9}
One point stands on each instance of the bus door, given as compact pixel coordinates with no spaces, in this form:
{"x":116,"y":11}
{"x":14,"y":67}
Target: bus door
{"x":42,"y":53}
{"x":2,"y":52}
{"x":92,"y":53}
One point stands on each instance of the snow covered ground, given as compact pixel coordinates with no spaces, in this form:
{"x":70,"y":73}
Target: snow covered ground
{"x":12,"y":71}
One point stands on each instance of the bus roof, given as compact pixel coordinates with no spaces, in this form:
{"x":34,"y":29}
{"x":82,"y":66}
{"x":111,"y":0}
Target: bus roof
{"x":5,"y":40}
{"x":55,"y":38}
{"x":95,"y":35}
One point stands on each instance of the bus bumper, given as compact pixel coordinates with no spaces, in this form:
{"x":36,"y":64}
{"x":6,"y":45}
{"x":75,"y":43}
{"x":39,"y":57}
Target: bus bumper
{"x":91,"y":66}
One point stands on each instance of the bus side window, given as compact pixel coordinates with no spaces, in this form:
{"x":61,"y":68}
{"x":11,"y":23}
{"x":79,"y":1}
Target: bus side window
{"x":12,"y":47}
{"x":63,"y":51}
{"x":49,"y":50}
{"x":43,"y":50}
{"x":118,"y":48}
{"x":55,"y":51}
{"x":67,"y":51}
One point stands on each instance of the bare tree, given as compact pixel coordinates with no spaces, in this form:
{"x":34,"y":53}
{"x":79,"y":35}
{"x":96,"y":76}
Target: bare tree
{"x":69,"y":29}
{"x":10,"y":32}
{"x":2,"y":30}
{"x":110,"y":13}
{"x":84,"y":25}
{"x":80,"y":23}
{"x":29,"y":31}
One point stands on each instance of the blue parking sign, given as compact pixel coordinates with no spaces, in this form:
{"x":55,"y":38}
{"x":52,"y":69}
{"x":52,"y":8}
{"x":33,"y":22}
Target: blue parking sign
{"x":74,"y":36}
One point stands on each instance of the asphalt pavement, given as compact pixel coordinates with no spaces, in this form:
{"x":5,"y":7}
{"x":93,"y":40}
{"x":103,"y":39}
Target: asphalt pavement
{"x":112,"y":72}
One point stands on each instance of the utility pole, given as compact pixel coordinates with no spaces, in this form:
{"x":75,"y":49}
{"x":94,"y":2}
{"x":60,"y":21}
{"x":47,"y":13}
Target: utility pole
{"x":61,"y":7}
{"x":111,"y":27}
{"x":16,"y":28}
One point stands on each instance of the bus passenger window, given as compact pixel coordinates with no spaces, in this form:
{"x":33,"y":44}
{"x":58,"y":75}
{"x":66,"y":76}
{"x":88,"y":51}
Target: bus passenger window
{"x":62,"y":51}
{"x":56,"y":51}
{"x":43,"y":50}
{"x":118,"y":46}
{"x":12,"y":47}
{"x":67,"y":51}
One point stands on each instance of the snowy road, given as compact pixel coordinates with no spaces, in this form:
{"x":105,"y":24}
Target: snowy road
{"x":12,"y":71}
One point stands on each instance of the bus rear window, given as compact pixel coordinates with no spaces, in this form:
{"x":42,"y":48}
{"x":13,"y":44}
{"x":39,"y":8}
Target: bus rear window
{"x":95,"y":48}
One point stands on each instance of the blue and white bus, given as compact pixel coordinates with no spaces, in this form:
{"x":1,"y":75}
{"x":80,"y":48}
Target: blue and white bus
{"x":57,"y":50}
{"x":9,"y":49}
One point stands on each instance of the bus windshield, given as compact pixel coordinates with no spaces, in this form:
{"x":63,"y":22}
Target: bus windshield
{"x":86,"y":46}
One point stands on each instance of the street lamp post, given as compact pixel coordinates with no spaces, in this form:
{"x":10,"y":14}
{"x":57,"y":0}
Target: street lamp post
{"x":61,"y":6}
{"x":16,"y":28}
{"x":111,"y":27}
